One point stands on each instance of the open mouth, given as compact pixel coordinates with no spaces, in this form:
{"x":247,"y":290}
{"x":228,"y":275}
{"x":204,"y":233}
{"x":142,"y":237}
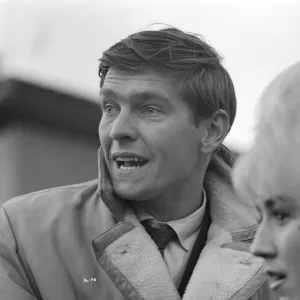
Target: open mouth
{"x":276,"y":279}
{"x":129,"y":163}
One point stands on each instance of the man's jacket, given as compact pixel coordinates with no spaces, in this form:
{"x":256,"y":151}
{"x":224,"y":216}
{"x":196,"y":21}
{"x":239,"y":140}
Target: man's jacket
{"x":81,"y":242}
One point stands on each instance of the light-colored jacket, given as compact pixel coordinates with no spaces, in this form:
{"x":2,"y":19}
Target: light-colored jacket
{"x":81,"y":242}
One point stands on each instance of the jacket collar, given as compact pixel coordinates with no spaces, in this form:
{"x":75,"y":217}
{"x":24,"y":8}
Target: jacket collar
{"x":106,"y":191}
{"x":225,"y":269}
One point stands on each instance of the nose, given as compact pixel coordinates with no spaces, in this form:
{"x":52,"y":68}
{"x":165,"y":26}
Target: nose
{"x":264,"y":243}
{"x":124,"y":127}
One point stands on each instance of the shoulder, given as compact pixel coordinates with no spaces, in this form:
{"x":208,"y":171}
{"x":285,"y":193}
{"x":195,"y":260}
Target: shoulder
{"x":45,"y":205}
{"x":50,"y":197}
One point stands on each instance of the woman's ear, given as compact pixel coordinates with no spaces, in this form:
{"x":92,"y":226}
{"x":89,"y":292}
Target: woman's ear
{"x":217,"y":128}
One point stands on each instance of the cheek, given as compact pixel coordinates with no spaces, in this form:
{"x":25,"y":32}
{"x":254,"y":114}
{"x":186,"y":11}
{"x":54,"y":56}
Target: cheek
{"x":290,"y":248}
{"x":103,"y":132}
{"x":178,"y":147}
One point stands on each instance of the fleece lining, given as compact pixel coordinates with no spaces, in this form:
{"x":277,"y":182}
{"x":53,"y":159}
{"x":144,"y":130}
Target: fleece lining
{"x":220,"y":272}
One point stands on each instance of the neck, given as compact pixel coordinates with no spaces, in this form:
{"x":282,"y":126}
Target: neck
{"x":176,"y":204}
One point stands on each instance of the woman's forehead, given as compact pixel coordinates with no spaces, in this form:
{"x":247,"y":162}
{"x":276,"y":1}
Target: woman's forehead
{"x":277,"y":171}
{"x":269,"y":169}
{"x":278,"y":201}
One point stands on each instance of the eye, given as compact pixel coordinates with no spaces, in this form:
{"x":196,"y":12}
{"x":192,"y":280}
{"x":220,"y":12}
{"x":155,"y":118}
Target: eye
{"x":281,"y":217}
{"x":109,"y":109}
{"x":151,"y":111}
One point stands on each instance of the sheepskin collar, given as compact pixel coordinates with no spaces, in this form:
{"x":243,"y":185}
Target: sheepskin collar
{"x":225,"y":269}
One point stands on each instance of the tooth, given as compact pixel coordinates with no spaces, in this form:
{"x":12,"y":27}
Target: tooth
{"x":128,"y":168}
{"x":130,"y":159}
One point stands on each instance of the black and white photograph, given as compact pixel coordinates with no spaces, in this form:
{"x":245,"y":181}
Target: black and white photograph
{"x":149,"y":150}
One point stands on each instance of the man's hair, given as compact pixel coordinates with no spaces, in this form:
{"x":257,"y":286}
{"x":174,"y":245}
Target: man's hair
{"x":206,"y":85}
{"x":272,"y":167}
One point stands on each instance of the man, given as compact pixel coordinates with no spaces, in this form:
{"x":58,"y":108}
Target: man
{"x":162,"y":220}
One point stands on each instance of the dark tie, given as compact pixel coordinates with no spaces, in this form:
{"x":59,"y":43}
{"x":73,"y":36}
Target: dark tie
{"x":160,"y":233}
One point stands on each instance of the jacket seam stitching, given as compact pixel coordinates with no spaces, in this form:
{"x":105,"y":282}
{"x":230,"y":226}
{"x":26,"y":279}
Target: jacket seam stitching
{"x":107,"y":257}
{"x":246,"y":229}
{"x":256,"y":289}
{"x":247,"y":239}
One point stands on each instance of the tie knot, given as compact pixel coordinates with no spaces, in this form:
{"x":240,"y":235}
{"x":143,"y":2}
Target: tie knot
{"x":160,"y":233}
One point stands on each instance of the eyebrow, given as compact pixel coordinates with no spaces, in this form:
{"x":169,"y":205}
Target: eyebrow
{"x":109,"y":93}
{"x":140,"y":95}
{"x":270,"y":203}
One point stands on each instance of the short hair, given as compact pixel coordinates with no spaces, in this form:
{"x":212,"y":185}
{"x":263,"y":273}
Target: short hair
{"x":272,"y":167}
{"x":206,"y":85}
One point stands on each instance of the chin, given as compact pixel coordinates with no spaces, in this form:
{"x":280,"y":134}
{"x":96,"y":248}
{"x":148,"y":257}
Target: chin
{"x":289,"y":293}
{"x":130,"y":193}
{"x":292,"y":296}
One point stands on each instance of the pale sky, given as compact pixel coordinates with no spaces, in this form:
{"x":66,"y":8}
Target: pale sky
{"x":57,"y":43}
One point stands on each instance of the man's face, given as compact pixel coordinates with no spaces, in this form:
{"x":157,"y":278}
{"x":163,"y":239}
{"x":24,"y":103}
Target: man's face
{"x":148,"y":135}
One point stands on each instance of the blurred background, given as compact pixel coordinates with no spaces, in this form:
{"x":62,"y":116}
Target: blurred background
{"x":49,"y":86}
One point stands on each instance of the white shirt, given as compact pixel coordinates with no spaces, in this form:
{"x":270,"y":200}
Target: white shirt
{"x":187,"y":229}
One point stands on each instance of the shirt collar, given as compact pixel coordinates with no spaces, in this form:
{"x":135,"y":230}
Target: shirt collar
{"x":185,"y":228}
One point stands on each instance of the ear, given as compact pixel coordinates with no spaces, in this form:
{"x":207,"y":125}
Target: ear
{"x":217,"y":127}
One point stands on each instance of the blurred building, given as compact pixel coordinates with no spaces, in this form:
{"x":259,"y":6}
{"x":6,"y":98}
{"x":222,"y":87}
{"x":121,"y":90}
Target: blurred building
{"x":48,"y":124}
{"x":47,"y":138}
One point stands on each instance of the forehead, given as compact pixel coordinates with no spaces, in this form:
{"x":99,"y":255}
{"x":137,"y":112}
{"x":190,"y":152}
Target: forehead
{"x":280,"y":200}
{"x":125,"y":83}
{"x":273,"y":169}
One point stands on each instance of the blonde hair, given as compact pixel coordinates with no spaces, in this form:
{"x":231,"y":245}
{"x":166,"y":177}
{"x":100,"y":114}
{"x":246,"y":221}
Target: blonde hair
{"x":272,"y":167}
